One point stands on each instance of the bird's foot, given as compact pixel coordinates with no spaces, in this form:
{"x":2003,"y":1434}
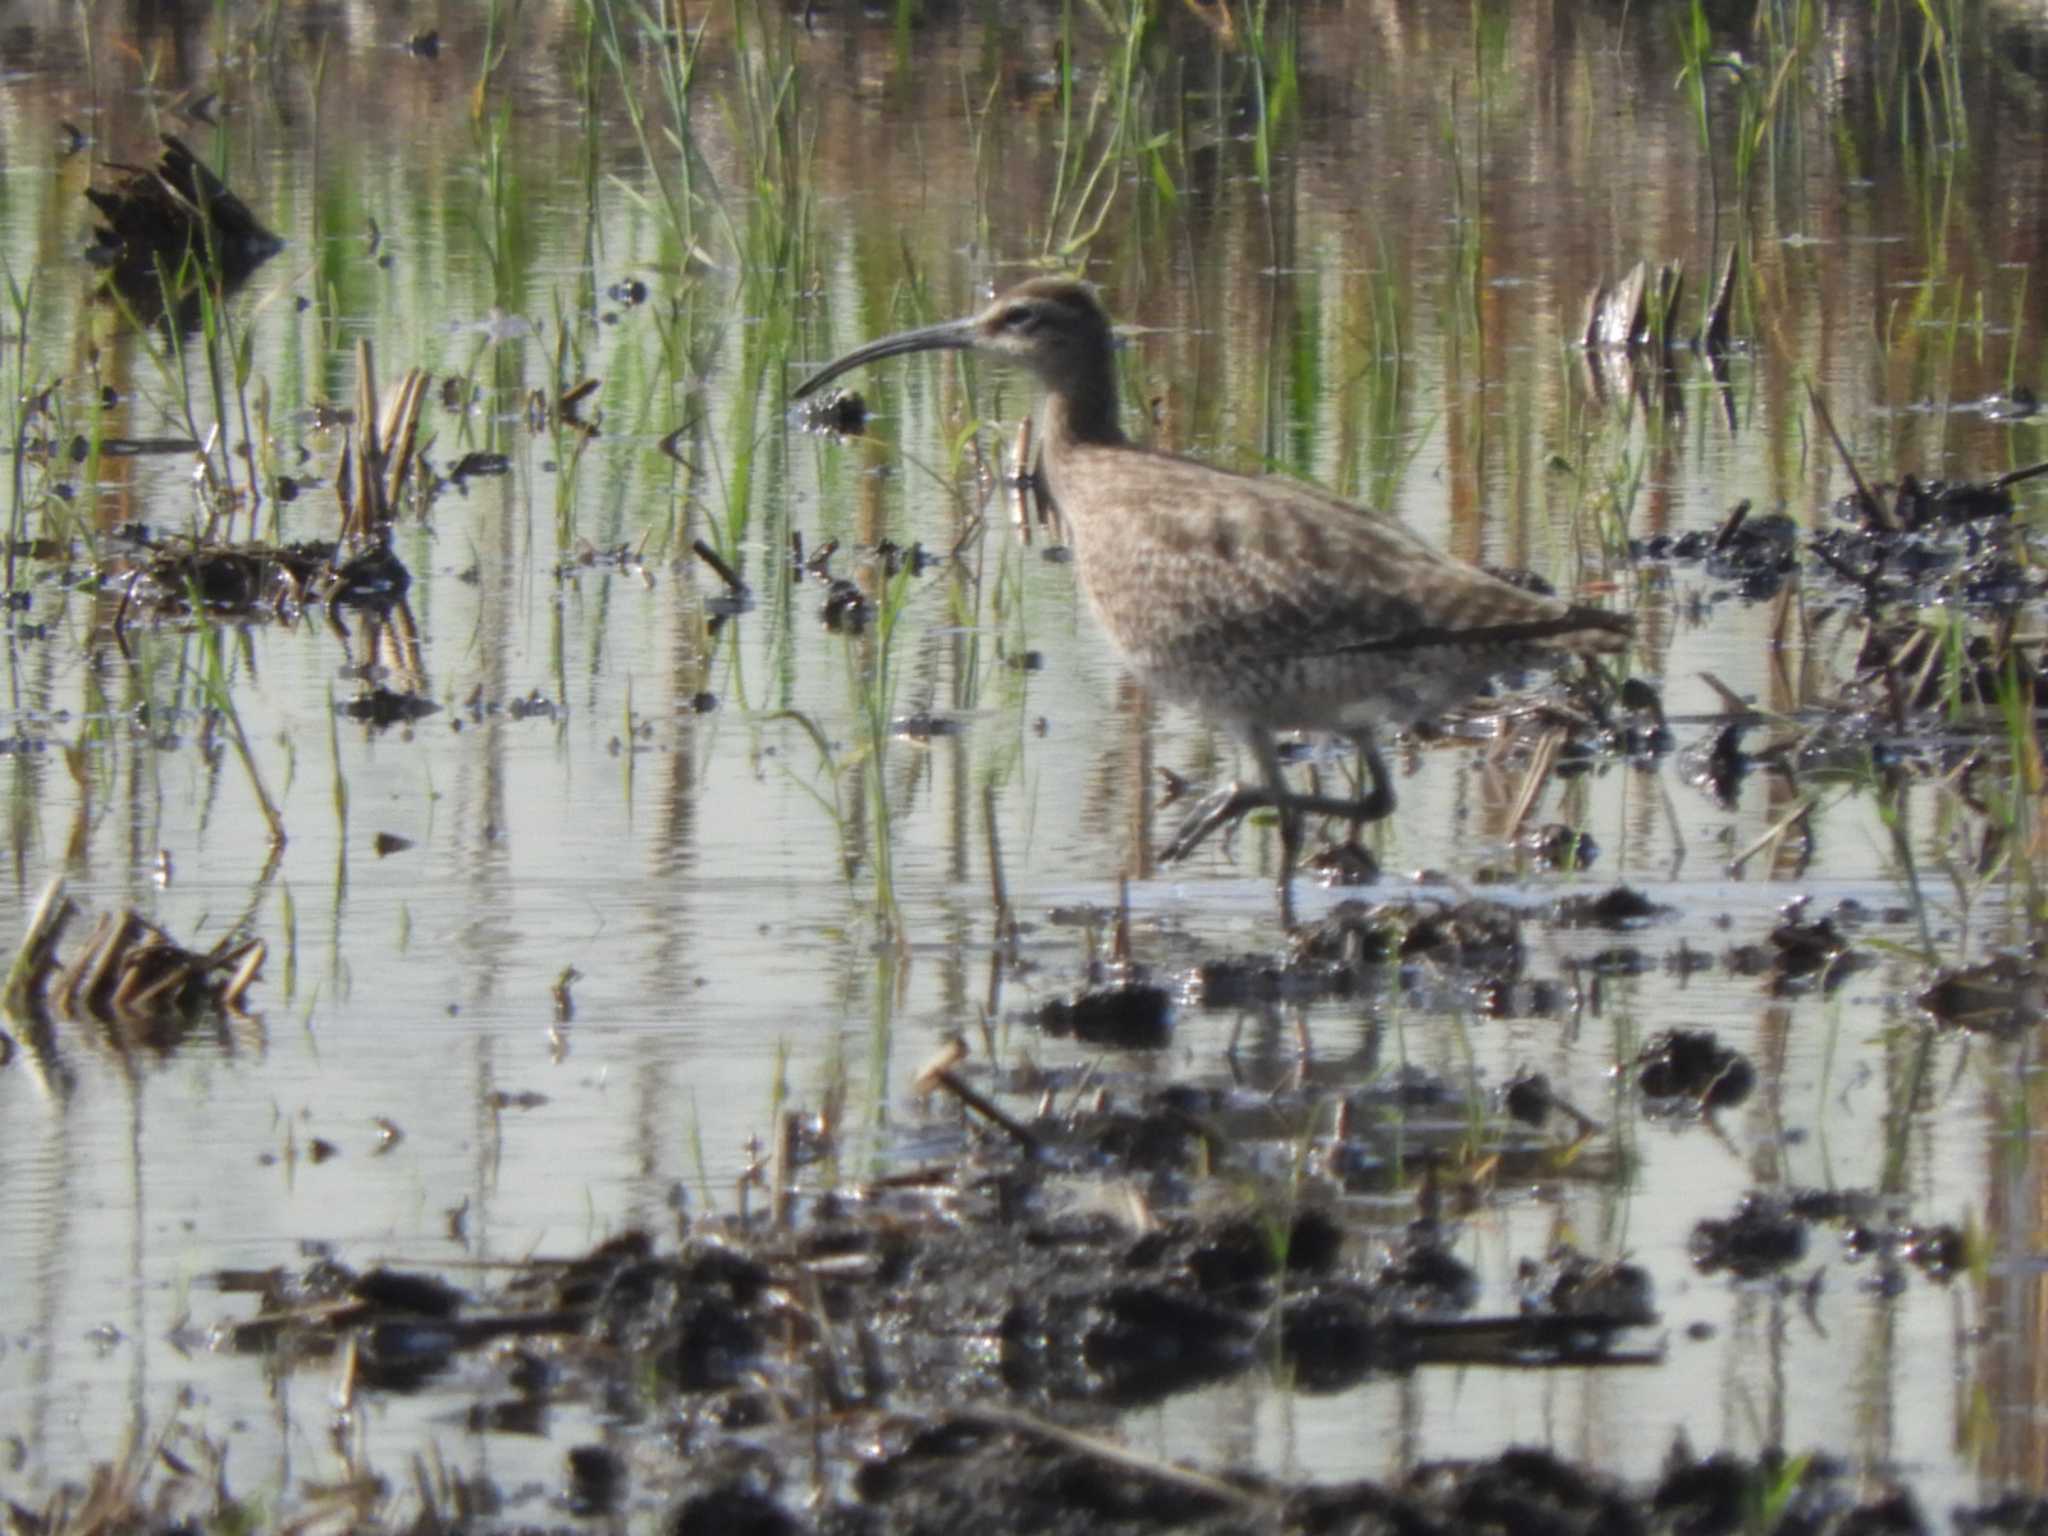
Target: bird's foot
{"x":1219,"y":808}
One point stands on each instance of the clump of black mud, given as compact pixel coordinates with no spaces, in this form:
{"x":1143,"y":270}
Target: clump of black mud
{"x":953,"y":1344}
{"x":165,"y":225}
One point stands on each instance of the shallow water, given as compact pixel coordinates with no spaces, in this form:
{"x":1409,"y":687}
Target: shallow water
{"x":779,"y":899}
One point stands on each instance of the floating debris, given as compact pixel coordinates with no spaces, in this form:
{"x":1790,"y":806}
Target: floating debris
{"x":128,"y":976}
{"x":158,"y":216}
{"x":1639,"y":312}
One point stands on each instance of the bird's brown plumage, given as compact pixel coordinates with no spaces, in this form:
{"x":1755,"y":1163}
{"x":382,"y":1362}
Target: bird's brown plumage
{"x":1262,"y":602}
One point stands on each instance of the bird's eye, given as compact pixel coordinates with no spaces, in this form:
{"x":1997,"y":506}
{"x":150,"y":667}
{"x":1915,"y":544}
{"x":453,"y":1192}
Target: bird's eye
{"x":1019,"y":317}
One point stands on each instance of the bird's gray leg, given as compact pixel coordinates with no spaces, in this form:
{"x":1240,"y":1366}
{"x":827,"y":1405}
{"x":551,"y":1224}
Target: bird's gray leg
{"x":1221,"y":807}
{"x":1230,"y":802}
{"x":1377,"y":802}
{"x":1374,"y":803}
{"x":1289,"y":808}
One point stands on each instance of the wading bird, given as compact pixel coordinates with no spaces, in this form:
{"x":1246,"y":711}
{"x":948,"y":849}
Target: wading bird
{"x":1263,"y":603}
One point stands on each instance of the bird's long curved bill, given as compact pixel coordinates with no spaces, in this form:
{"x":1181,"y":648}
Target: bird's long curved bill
{"x":954,"y":335}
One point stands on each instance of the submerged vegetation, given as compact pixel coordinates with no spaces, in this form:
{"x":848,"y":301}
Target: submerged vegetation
{"x":564,"y":761}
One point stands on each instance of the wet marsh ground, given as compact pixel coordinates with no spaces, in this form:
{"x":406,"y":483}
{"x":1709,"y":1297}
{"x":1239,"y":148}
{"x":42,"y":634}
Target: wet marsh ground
{"x":612,"y":899}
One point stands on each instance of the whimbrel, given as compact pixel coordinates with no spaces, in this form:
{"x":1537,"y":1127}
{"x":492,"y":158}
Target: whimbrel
{"x":1264,"y":603}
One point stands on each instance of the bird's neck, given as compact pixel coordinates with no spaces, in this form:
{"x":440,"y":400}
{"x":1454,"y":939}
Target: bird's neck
{"x":1084,"y":412}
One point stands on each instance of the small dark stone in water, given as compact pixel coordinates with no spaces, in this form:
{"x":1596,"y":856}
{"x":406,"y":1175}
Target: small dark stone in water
{"x":1806,"y":946}
{"x":380,"y":707}
{"x":1691,"y":1064}
{"x":1569,"y":1284}
{"x":595,"y":1474}
{"x":1620,"y":907}
{"x":1762,"y":1236}
{"x":1557,"y":846}
{"x":843,"y":413}
{"x":1938,"y":1252}
{"x":1528,"y":1098}
{"x":1642,"y":697}
{"x":847,"y":609}
{"x":1132,"y":1016}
